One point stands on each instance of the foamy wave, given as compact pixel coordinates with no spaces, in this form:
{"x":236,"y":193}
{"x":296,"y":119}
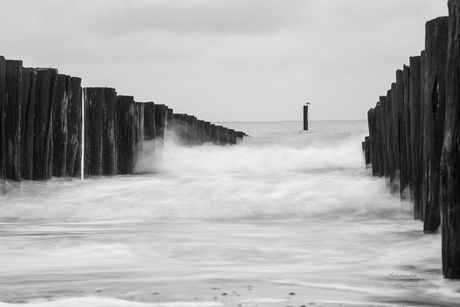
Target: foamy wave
{"x":297,"y":154}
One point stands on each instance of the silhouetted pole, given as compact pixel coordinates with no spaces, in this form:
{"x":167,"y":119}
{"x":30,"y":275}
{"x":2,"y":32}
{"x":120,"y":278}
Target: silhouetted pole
{"x":305,"y":117}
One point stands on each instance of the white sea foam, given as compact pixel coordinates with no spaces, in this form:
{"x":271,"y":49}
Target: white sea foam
{"x":284,"y":211}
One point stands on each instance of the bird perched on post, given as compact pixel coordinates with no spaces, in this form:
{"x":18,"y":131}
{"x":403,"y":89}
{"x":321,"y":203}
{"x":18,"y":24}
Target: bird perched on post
{"x":307,"y":103}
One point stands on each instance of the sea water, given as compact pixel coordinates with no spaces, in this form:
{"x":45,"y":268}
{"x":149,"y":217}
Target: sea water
{"x":285,"y":218}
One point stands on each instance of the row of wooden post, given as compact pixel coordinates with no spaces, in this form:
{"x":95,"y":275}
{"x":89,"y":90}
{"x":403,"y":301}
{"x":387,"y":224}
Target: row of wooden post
{"x":41,"y":126}
{"x":414,"y":135}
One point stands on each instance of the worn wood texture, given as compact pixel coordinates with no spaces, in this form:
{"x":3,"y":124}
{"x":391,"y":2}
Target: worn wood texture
{"x":43,"y":141}
{"x":423,"y":168}
{"x":29,"y":86}
{"x":169,"y":117}
{"x":127,"y":122}
{"x":372,"y":126}
{"x":60,"y":136}
{"x":400,"y":135}
{"x":74,"y":128}
{"x":450,"y":162}
{"x":140,"y":127}
{"x":100,"y":131}
{"x":436,"y":57}
{"x":406,"y":189}
{"x":415,"y":103}
{"x":2,"y":117}
{"x":160,"y":121}
{"x":379,"y":141}
{"x":391,"y":140}
{"x":367,"y":151}
{"x":149,"y":121}
{"x":385,"y":139}
{"x":12,"y":105}
{"x":93,"y":102}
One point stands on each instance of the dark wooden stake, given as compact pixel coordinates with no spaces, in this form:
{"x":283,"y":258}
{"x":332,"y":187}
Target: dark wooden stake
{"x":43,"y":141}
{"x":2,"y":118}
{"x":305,"y":117}
{"x":12,"y":105}
{"x":60,"y":136}
{"x":74,"y":128}
{"x":127,"y":122}
{"x":436,"y":57}
{"x":450,"y":178}
{"x":415,"y":103}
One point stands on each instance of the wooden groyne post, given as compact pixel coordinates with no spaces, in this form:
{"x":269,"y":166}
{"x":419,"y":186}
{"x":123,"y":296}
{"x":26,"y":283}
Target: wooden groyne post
{"x":305,"y":117}
{"x":101,"y":131}
{"x":2,"y":118}
{"x":419,"y":124}
{"x":450,"y":160}
{"x":41,"y":126}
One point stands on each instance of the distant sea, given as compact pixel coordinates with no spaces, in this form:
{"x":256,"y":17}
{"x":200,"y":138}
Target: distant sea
{"x":284,"y":218}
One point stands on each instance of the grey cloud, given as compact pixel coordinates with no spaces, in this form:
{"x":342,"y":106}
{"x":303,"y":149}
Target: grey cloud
{"x":203,"y":16}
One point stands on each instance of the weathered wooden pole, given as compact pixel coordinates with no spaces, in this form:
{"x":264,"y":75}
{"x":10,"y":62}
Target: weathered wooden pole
{"x":169,"y":115}
{"x":214,"y":134}
{"x":199,"y":132}
{"x":127,"y":130}
{"x":415,"y":103}
{"x":100,"y":131}
{"x":219,"y":135}
{"x":2,"y":117}
{"x":207,"y":133}
{"x":367,"y":151}
{"x":231,"y":137}
{"x":305,"y":117}
{"x":372,"y":125}
{"x":140,"y":127}
{"x":384,"y":132}
{"x":225,"y":138}
{"x":450,"y":163}
{"x":436,"y":57}
{"x":74,"y":128}
{"x":160,"y":121}
{"x":423,"y":167}
{"x":407,"y":190}
{"x":379,"y":141}
{"x":149,"y":121}
{"x":391,"y":141}
{"x":29,"y":86}
{"x":398,"y":102}
{"x":60,"y":104}
{"x":193,"y":131}
{"x":43,"y":141}
{"x":12,"y":105}
{"x":179,"y":127}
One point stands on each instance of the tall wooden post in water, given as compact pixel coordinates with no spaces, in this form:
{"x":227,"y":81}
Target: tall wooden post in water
{"x":305,"y":116}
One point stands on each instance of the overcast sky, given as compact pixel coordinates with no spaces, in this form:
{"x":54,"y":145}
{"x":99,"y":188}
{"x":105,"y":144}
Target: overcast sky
{"x":226,"y":60}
